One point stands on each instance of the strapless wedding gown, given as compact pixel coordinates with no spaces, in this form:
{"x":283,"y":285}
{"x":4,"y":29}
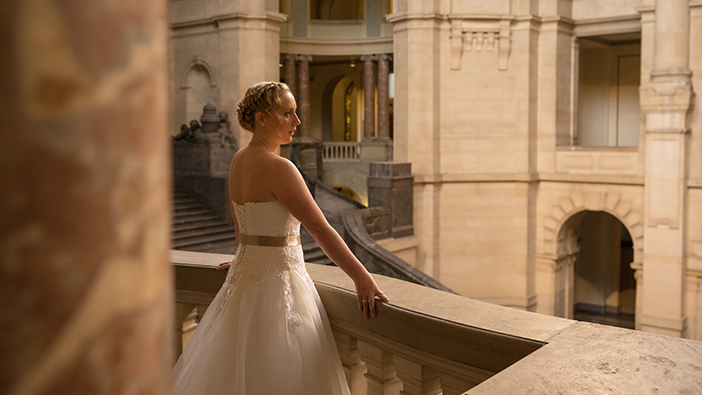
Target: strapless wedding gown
{"x":266,"y":331}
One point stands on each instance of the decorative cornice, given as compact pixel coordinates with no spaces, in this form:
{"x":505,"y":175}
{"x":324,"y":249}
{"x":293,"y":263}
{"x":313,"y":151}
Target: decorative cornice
{"x":336,"y":47}
{"x":269,"y":16}
{"x":403,"y":16}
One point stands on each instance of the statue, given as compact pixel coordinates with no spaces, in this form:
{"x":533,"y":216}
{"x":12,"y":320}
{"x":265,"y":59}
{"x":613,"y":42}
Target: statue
{"x":185,"y":134}
{"x":227,"y":138}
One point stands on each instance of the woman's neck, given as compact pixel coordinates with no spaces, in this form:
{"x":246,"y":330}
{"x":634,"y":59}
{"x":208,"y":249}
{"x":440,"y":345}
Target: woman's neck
{"x":259,"y":140}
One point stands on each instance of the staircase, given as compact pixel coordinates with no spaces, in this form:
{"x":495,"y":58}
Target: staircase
{"x":196,"y":228}
{"x":313,"y":252}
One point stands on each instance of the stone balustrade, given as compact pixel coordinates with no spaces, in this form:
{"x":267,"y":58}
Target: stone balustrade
{"x":427,"y":341}
{"x":341,"y":150}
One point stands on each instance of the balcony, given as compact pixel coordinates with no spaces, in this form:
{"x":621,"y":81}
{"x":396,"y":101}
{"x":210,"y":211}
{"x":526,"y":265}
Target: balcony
{"x":427,"y":341}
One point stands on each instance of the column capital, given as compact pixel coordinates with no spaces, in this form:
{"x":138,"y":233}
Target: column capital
{"x":384,"y":57}
{"x":369,"y":58}
{"x":303,"y":58}
{"x":288,"y":56}
{"x":665,"y":106}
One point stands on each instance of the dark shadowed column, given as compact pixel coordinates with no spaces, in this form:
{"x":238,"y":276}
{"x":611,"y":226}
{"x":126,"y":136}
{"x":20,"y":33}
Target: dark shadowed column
{"x":290,"y":76}
{"x":383,"y":96}
{"x":85,"y":282}
{"x":368,"y":95}
{"x":303,"y":101}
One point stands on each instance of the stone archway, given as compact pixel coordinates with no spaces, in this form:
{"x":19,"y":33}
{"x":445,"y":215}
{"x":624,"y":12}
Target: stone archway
{"x":556,"y":268}
{"x":594,"y":278}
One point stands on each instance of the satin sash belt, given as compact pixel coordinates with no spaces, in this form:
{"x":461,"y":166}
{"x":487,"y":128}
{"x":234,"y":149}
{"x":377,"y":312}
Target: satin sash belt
{"x":270,"y":241}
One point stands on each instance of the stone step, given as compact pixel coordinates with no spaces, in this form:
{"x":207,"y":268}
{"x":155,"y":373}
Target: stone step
{"x":178,"y":207}
{"x":314,"y":254}
{"x":193,"y":219}
{"x":184,"y":227}
{"x":187,"y":243}
{"x":203,"y":231}
{"x":191,"y":214}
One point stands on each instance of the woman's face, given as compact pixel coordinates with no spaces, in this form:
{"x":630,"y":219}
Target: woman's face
{"x":284,"y":120}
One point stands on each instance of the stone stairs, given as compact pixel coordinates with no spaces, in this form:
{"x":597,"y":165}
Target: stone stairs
{"x":196,"y":228}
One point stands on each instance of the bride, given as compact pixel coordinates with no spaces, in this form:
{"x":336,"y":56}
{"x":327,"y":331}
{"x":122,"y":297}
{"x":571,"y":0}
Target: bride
{"x":266,"y":331}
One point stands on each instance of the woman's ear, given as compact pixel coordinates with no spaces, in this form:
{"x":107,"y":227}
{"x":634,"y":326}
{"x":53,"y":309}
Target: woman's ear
{"x":260,"y":118}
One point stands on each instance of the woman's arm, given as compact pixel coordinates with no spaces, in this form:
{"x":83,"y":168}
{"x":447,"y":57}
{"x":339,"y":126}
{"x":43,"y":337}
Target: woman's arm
{"x":290,"y":188}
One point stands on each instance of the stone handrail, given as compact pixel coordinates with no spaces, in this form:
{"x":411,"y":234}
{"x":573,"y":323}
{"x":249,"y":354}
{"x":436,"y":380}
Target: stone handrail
{"x":346,"y":216}
{"x":426,"y":341}
{"x":377,"y":259}
{"x":422,"y":351}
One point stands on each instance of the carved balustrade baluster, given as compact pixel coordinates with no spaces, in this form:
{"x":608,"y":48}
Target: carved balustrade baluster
{"x":372,"y":356}
{"x":416,"y":379}
{"x":354,"y":368}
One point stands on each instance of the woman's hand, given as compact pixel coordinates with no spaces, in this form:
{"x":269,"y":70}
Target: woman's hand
{"x":224,"y":266}
{"x":366,"y":291}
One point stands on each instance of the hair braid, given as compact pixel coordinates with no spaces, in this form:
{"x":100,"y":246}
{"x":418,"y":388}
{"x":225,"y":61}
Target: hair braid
{"x":262,"y":97}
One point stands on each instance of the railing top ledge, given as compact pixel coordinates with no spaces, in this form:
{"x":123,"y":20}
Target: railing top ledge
{"x":454,"y":308}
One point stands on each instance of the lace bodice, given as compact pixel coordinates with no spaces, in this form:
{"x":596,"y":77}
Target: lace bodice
{"x":265,"y":219}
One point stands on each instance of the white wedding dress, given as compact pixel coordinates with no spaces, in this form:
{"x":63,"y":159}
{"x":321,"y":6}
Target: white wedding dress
{"x":266,"y":331}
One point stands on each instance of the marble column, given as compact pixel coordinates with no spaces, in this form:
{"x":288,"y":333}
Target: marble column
{"x":665,"y":103}
{"x":303,"y":99}
{"x":290,"y":75}
{"x":368,"y":96}
{"x":85,"y":279}
{"x":383,"y":96}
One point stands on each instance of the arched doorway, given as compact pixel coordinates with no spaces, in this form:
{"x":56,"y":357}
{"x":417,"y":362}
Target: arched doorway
{"x":348,"y":192}
{"x":599,"y":284}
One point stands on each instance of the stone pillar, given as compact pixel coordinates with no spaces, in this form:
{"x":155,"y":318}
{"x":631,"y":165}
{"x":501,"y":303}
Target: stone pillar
{"x":368,"y":96}
{"x":383,"y":96}
{"x":303,"y":101}
{"x":672,"y":41}
{"x":372,"y":356}
{"x":290,"y":76}
{"x":564,"y":286}
{"x":665,"y":103}
{"x":416,"y":379}
{"x":85,"y":209}
{"x":390,"y":185}
{"x":354,"y":368}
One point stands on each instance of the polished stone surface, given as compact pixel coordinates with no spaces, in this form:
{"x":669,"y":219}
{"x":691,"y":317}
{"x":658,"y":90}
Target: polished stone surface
{"x":84,"y":213}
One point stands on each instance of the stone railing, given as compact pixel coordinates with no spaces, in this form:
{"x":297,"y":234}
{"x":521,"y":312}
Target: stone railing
{"x":341,"y":150}
{"x":427,"y":341}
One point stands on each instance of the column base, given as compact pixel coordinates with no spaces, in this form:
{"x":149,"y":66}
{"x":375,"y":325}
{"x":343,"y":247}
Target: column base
{"x":663,"y":326}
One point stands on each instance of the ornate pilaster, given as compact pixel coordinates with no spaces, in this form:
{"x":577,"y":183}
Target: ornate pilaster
{"x":368,"y":95}
{"x":665,"y":103}
{"x":303,"y":100}
{"x":383,"y":96}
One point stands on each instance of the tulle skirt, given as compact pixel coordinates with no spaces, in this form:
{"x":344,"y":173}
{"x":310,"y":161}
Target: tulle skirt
{"x":266,"y":332}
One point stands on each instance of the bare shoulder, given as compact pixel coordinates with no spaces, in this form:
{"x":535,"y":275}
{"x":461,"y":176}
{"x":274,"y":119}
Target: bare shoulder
{"x":282,"y":165}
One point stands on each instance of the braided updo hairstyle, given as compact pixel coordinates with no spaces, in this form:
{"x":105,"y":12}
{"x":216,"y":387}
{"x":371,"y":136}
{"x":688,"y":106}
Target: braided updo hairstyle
{"x":262,"y":97}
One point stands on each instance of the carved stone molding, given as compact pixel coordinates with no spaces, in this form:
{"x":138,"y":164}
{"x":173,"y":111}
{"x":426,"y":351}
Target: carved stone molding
{"x":198,"y":61}
{"x":557,"y":241}
{"x":471,"y":34}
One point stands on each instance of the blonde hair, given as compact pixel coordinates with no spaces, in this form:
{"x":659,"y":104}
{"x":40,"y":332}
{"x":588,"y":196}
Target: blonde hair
{"x":263,"y":97}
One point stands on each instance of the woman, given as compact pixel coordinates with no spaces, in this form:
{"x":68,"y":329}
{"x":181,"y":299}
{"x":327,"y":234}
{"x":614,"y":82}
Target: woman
{"x":266,"y":331}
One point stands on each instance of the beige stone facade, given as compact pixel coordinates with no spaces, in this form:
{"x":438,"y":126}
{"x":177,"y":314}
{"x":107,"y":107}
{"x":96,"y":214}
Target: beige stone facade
{"x":556,"y":145}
